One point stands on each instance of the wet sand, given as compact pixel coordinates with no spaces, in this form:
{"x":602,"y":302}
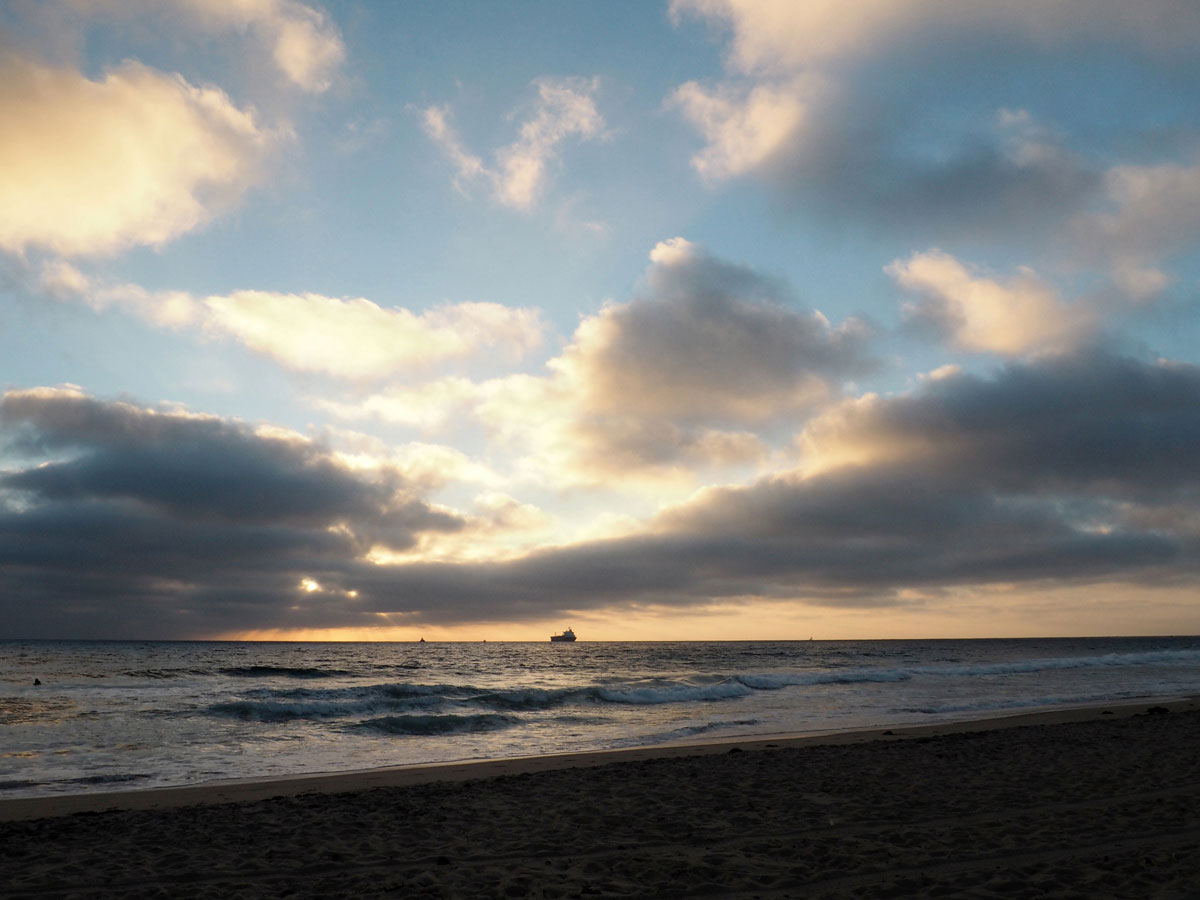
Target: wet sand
{"x":1087,"y":803}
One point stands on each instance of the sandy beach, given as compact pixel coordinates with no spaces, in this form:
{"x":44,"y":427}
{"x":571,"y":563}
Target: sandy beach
{"x":1088,"y":803}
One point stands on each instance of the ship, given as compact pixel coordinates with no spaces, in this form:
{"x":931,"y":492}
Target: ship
{"x":567,"y":636}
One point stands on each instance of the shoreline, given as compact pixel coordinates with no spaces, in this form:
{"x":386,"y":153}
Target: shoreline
{"x":252,"y":790}
{"x":1059,"y":803}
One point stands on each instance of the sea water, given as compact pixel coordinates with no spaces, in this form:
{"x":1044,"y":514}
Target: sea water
{"x":122,"y":715}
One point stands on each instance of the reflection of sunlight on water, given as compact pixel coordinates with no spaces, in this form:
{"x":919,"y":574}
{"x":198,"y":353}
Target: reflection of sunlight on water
{"x":23,"y":754}
{"x":26,"y":711}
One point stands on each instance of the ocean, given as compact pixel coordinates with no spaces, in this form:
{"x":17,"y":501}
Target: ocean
{"x":113,"y":715}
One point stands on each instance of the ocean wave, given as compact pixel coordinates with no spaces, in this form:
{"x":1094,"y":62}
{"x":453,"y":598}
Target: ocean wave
{"x":432,"y":725}
{"x":693,"y":730}
{"x":105,"y":779}
{"x":384,"y":690}
{"x":674,"y":692}
{"x":634,"y":693}
{"x":293,"y":710}
{"x":164,"y":673}
{"x":288,"y":704}
{"x":1108,"y":660}
{"x":85,"y":780}
{"x":531,"y":698}
{"x":19,"y":785}
{"x":281,"y":704}
{"x":282,"y":672}
{"x":778,"y":680}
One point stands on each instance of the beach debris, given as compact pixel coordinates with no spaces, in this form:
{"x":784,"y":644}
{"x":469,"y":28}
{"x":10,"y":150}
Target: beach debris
{"x":1157,"y":711}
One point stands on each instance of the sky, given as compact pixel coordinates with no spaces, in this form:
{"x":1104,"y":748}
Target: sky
{"x":699,"y":319}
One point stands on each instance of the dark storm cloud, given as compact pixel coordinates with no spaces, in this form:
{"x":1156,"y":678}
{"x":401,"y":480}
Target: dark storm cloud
{"x":119,"y":520}
{"x":898,"y":169}
{"x":1088,"y":423}
{"x":119,"y":570}
{"x":1067,"y":470}
{"x":194,"y":467}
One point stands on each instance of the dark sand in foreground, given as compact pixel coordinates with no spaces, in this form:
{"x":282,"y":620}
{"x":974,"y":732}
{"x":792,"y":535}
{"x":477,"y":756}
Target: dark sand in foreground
{"x":1077,"y":804}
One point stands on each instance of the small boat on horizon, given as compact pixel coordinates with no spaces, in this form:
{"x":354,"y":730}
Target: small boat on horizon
{"x":567,"y":636}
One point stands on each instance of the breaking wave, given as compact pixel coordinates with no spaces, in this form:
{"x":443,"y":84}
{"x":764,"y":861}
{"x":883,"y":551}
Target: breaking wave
{"x":427,"y":725}
{"x":390,"y":700}
{"x":283,"y":672}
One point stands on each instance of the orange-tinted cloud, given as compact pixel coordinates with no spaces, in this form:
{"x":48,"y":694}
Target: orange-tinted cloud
{"x":983,"y":314}
{"x":138,"y":157}
{"x":348,"y":338}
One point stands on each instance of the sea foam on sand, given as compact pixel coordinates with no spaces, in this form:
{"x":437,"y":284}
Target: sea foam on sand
{"x":1094,"y":803}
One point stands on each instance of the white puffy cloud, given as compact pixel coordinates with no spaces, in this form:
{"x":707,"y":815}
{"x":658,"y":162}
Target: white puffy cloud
{"x":427,"y":407}
{"x":357,"y":339}
{"x":744,"y":126}
{"x":303,"y":43}
{"x":350,"y":338}
{"x":565,"y":108}
{"x":165,"y":309}
{"x":980,"y":313}
{"x":138,"y":157}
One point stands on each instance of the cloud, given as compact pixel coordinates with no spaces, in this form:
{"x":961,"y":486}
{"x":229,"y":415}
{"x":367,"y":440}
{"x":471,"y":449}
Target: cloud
{"x":982,"y":314}
{"x":436,"y":122}
{"x":134,"y":159}
{"x":352,"y":339}
{"x":689,"y":373}
{"x":133,"y":512}
{"x":1147,"y":212}
{"x":1064,"y":471}
{"x":803,"y":108}
{"x":1087,"y":423}
{"x":302,"y":42}
{"x":307,"y":48}
{"x":745,"y":127}
{"x":357,"y":339}
{"x":774,"y":35}
{"x":709,"y":341}
{"x":827,"y":147}
{"x":1050,"y":471}
{"x":197,"y":468}
{"x":565,"y":108}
